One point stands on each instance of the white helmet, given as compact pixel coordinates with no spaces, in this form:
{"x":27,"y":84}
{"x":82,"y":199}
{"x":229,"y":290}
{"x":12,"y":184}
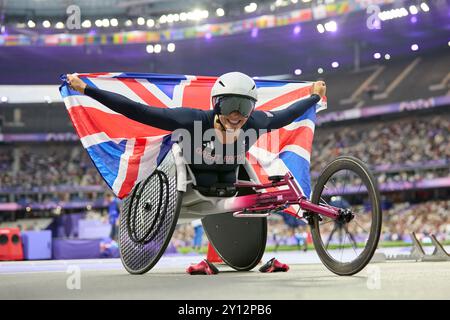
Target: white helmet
{"x":234,"y":91}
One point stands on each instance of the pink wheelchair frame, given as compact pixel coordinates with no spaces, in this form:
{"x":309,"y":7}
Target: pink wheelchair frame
{"x":254,"y":205}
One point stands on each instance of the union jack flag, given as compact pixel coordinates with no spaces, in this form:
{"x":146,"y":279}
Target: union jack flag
{"x":125,"y":151}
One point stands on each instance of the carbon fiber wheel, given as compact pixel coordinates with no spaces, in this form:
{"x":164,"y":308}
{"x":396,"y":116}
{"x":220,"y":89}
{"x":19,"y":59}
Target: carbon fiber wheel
{"x":149,"y":216}
{"x":346,"y":246}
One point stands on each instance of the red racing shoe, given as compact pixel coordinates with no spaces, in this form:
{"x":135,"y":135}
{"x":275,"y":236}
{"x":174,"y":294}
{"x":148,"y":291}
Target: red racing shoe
{"x":273,"y":265}
{"x":204,"y":267}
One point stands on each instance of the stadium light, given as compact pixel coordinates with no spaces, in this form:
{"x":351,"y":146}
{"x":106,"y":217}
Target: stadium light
{"x":320,"y":70}
{"x":105,"y":23}
{"x":387,"y":56}
{"x":31,"y":24}
{"x":176,"y":17}
{"x":163,"y":19}
{"x":171,"y":47}
{"x":128,"y":23}
{"x":150,"y":23}
{"x":141,"y":21}
{"x":320,"y":28}
{"x":170,"y":18}
{"x":114,"y":22}
{"x":251,"y":7}
{"x":197,"y":14}
{"x":331,"y":26}
{"x":414,"y":47}
{"x":377,"y":55}
{"x":4,"y":99}
{"x":335,"y":64}
{"x":183,"y":16}
{"x":46,"y":24}
{"x":86,"y":24}
{"x":298,"y":72}
{"x":157,"y":48}
{"x":448,"y":43}
{"x":393,"y":14}
{"x":424,"y":7}
{"x":413,"y":9}
{"x":98,"y":23}
{"x":149,"y":48}
{"x":294,"y":1}
{"x":59,"y":25}
{"x":220,"y":12}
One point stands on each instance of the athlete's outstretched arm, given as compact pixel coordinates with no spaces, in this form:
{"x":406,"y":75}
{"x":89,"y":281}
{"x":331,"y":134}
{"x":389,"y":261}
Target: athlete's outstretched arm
{"x":281,"y":118}
{"x":163,"y":118}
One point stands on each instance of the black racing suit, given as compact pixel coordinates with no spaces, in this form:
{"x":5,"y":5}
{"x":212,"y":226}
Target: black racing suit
{"x":213,"y":164}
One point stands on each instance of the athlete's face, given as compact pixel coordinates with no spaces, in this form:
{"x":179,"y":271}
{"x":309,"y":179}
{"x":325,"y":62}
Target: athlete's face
{"x":233,"y":121}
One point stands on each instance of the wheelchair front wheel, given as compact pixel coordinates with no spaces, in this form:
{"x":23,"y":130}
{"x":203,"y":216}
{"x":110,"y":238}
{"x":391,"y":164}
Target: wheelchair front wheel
{"x":346,"y":247}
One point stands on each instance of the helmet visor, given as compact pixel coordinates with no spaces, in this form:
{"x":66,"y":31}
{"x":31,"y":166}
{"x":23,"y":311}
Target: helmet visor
{"x":229,"y":104}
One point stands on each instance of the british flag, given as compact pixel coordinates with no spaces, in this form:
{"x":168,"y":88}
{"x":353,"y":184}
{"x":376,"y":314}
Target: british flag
{"x":125,"y":151}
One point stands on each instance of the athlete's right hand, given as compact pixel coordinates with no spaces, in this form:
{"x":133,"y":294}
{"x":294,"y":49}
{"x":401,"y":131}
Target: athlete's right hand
{"x":76,"y":83}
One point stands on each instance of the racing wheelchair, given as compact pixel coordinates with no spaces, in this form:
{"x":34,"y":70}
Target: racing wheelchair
{"x":344,"y":214}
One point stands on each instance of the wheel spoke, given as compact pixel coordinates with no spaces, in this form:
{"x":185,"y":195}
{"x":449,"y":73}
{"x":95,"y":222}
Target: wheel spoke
{"x":360,"y":185}
{"x":354,"y":245}
{"x":334,"y":183}
{"x":360,"y":226}
{"x":324,"y":201}
{"x":343,"y":244}
{"x":345,"y":181}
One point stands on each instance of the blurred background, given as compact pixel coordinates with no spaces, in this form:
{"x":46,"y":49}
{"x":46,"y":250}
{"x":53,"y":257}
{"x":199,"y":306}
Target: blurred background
{"x":386,"y":64}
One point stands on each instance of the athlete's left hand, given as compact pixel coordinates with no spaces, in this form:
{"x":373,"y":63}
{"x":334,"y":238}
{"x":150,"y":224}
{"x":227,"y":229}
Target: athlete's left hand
{"x":319,"y":88}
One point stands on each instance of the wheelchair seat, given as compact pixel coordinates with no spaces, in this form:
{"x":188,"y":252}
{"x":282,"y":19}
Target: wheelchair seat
{"x":217,"y":190}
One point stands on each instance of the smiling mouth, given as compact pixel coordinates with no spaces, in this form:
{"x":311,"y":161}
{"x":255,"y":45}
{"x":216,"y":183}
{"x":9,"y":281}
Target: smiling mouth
{"x":234,"y":122}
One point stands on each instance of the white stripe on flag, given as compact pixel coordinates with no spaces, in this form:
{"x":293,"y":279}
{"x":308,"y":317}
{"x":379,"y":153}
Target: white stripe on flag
{"x":123,"y":166}
{"x":266,"y":94}
{"x":116,"y":86}
{"x":148,"y":160}
{"x":85,"y":101}
{"x":162,"y":96}
{"x":303,"y":123}
{"x":298,"y":151}
{"x":284,"y":106}
{"x":97,"y":138}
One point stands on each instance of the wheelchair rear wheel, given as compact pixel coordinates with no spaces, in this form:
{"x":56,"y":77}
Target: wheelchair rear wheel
{"x":148,"y":219}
